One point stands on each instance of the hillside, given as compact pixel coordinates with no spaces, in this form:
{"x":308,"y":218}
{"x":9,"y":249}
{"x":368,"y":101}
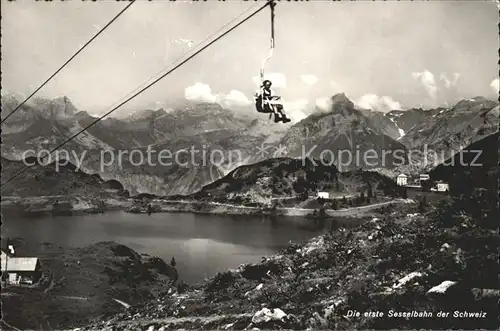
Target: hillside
{"x":287,"y":177}
{"x":401,"y":260}
{"x":57,"y":189}
{"x":79,"y":284}
{"x":183,"y":165}
{"x":384,"y":124}
{"x":343,"y":128}
{"x":476,"y":166}
{"x":407,"y":119}
{"x":50,"y":181}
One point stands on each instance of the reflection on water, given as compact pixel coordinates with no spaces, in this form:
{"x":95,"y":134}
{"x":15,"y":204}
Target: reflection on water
{"x":201,"y":244}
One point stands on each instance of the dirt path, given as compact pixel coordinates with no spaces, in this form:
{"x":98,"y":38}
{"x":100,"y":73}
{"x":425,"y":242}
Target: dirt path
{"x":338,"y":212}
{"x":181,"y":320}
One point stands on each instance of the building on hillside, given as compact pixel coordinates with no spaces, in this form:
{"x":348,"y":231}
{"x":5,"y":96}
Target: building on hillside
{"x":20,"y":270}
{"x":442,"y":186}
{"x":424,"y":177}
{"x":323,"y":195}
{"x":402,"y":180}
{"x":413,"y":181}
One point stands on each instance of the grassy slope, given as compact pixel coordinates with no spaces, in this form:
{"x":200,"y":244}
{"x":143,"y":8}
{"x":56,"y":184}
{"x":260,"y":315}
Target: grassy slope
{"x":284,"y":177}
{"x":50,"y":181}
{"x":80,"y":283}
{"x":475,"y":166}
{"x":351,"y":269}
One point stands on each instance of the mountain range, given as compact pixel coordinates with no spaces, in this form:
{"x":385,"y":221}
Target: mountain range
{"x":211,"y":141}
{"x":445,"y":131}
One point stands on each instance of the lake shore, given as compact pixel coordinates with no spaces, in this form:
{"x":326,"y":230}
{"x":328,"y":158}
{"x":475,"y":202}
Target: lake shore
{"x":62,"y":205}
{"x":230,"y":209}
{"x":68,"y":205}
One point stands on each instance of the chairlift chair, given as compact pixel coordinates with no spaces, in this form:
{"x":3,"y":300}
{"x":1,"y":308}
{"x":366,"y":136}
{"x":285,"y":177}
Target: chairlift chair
{"x":272,"y":104}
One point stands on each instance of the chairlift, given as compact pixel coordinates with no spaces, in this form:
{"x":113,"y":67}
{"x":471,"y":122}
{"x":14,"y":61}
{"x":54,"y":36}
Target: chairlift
{"x":265,"y":102}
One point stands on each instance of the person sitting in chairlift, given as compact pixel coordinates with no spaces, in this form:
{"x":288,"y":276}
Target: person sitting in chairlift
{"x":272,"y":102}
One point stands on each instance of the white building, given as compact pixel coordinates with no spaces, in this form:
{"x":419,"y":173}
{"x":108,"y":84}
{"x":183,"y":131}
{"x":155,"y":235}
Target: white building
{"x":20,"y":270}
{"x":424,"y":177}
{"x":443,"y":187}
{"x":402,"y":180}
{"x":323,"y":195}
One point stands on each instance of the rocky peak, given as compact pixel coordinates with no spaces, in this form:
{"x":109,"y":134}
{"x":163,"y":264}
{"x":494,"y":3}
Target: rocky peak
{"x":63,"y":105}
{"x":159,"y":112}
{"x":340,"y":104}
{"x":342,"y":99}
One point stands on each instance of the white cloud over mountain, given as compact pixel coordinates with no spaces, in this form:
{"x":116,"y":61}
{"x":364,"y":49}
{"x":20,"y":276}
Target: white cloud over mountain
{"x":495,"y":85}
{"x":378,"y":103}
{"x":297,"y":110}
{"x":309,"y":79}
{"x":199,"y":92}
{"x":427,"y":79}
{"x":449,"y":82}
{"x":236,"y":98}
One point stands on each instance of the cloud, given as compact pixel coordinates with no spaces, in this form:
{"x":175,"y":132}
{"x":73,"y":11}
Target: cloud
{"x":236,"y":98}
{"x":495,"y":85}
{"x":449,"y":82}
{"x":278,"y":79}
{"x":309,"y":79}
{"x":189,"y":43}
{"x":199,"y":92}
{"x":377,"y":103}
{"x":335,"y":86}
{"x":297,"y":110}
{"x":324,"y":104}
{"x":427,"y":79}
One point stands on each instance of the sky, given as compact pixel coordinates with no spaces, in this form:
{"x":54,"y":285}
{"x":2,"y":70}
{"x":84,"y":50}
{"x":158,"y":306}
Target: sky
{"x":382,"y":55}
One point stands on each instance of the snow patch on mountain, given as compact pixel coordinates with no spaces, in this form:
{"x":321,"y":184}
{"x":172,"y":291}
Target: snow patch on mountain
{"x":401,"y":131}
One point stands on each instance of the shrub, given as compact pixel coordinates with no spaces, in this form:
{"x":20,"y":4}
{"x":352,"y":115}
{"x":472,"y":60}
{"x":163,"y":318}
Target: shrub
{"x":221,"y":281}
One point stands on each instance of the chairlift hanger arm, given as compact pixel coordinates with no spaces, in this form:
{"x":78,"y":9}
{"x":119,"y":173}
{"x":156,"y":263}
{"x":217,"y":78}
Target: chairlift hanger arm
{"x":272,"y":4}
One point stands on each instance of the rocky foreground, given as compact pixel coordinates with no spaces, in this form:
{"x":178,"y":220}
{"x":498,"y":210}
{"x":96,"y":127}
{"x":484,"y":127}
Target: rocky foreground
{"x":78,"y":284}
{"x":400,"y":269}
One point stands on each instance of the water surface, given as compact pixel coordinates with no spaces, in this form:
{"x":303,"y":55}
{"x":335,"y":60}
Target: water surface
{"x":201,"y":244}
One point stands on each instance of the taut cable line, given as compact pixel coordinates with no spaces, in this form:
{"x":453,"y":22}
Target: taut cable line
{"x":68,"y":61}
{"x":142,"y":90}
